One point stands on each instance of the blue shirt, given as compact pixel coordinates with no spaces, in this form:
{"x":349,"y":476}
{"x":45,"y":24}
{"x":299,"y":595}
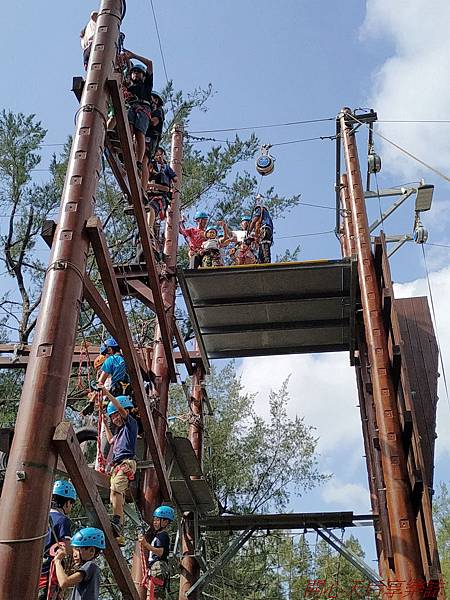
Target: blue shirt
{"x":62,"y":529}
{"x":114,"y":365}
{"x":124,"y":443}
{"x":161,"y":540}
{"x":266,"y":219}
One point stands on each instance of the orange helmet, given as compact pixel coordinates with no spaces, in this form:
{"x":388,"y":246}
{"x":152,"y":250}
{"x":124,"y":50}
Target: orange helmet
{"x":99,"y":360}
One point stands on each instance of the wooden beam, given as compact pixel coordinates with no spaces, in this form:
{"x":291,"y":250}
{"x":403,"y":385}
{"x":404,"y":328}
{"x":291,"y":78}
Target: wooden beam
{"x":98,"y":305}
{"x":183,"y":350}
{"x":118,"y":170}
{"x":125,"y":340}
{"x":66,"y":443}
{"x":142,"y":292}
{"x":126,"y":146}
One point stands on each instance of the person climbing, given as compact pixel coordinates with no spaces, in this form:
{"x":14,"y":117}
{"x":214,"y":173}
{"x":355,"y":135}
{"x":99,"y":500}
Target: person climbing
{"x":155,"y":127}
{"x":87,"y":544}
{"x":140,"y":104}
{"x":123,"y":456}
{"x":114,"y":367}
{"x":87,"y":36}
{"x":158,"y":548}
{"x":211,"y":256}
{"x":195,"y":236}
{"x":262,"y":227}
{"x":64,"y":497}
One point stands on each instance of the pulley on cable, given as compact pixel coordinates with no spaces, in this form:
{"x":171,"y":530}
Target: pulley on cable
{"x":265,"y":163}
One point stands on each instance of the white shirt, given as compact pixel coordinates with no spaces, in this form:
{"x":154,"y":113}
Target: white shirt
{"x":88,"y":36}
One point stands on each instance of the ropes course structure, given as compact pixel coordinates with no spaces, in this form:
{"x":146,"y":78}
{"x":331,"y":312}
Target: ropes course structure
{"x":260,"y":309}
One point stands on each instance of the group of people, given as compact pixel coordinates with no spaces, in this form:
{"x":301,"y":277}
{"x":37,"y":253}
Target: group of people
{"x":217,"y":245}
{"x":145,"y":112}
{"x":69,"y":561}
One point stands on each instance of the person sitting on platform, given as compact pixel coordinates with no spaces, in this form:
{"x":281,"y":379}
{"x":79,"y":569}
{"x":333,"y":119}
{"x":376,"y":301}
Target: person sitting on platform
{"x":158,"y":569}
{"x":114,"y":367}
{"x":261,"y":226}
{"x":195,"y":236}
{"x":123,"y":461}
{"x":64,"y":497}
{"x":140,"y":105}
{"x":87,"y":36}
{"x":87,"y":544}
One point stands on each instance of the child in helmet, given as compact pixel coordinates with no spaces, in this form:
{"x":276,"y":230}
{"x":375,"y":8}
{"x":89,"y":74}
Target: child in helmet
{"x":158,"y":548}
{"x":114,"y":367}
{"x":211,"y":256}
{"x":123,"y":456}
{"x":64,"y":497}
{"x":195,"y":236}
{"x":87,"y":544}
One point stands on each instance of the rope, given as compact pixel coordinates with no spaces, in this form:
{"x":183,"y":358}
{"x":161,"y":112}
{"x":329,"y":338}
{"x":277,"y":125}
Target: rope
{"x":265,"y":126}
{"x":162,"y":57}
{"x":32,"y":539}
{"x":100,"y":457}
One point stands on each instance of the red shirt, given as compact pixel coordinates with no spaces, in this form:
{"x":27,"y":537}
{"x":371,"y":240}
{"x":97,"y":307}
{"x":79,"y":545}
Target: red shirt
{"x":194,"y":236}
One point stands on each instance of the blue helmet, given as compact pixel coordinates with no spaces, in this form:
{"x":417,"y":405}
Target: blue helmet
{"x":89,"y":537}
{"x":124,"y":401}
{"x":200,"y":214}
{"x":164,"y":512}
{"x":246,"y":218}
{"x":139,"y":67}
{"x":109,"y":343}
{"x":65,"y":489}
{"x":212,"y":228}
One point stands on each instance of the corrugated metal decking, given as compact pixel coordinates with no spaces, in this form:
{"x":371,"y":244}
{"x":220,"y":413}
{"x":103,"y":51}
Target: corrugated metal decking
{"x":282,"y":308}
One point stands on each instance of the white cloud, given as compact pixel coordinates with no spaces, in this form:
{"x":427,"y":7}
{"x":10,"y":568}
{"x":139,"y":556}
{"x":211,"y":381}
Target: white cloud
{"x":346,"y":496}
{"x":413,"y":82}
{"x":322,"y":389}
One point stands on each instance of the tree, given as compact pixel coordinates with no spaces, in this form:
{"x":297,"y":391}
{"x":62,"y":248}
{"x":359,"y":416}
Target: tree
{"x":441,"y":516}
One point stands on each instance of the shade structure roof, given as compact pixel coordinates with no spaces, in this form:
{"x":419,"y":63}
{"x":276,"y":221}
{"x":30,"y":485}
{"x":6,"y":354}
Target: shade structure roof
{"x":281,"y":308}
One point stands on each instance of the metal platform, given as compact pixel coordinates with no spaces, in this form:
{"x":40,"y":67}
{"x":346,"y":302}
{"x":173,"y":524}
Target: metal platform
{"x":284,"y":308}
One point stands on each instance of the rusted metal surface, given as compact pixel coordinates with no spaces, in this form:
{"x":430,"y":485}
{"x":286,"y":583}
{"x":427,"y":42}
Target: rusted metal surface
{"x":65,"y":441}
{"x":126,"y":147}
{"x":25,"y":502}
{"x":190,"y":568}
{"x":150,"y":494}
{"x":125,"y":341}
{"x":407,"y":560}
{"x":22,"y":357}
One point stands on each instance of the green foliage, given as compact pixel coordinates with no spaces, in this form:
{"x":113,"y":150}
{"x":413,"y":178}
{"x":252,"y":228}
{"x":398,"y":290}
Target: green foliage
{"x":441,"y":517}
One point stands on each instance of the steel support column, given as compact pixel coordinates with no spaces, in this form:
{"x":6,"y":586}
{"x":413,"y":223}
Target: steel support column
{"x":150,"y":492}
{"x":27,"y":490}
{"x":190,"y":567}
{"x":407,"y":561}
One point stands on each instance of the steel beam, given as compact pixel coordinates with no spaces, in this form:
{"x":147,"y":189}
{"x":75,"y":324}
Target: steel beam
{"x":407,"y":559}
{"x":134,"y":183}
{"x":125,"y":340}
{"x":183,"y":350}
{"x":335,"y":520}
{"x":387,"y":213}
{"x":352,"y":558}
{"x":44,"y":392}
{"x":220,"y":563}
{"x":66,"y":443}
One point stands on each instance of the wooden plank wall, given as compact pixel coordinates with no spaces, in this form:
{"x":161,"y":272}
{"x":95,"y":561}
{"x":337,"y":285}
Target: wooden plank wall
{"x":421,"y":357}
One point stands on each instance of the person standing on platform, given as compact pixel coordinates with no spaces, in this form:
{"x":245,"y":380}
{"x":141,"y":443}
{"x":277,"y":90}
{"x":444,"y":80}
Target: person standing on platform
{"x":87,"y":36}
{"x":261,"y":226}
{"x":195,"y":236}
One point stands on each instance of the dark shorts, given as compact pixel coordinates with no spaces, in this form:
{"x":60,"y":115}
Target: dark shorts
{"x":86,"y":55}
{"x":138,"y":118}
{"x":266,"y":235}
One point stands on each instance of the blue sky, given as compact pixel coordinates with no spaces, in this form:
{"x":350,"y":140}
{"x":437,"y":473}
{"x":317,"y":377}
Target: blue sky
{"x":275,"y":62}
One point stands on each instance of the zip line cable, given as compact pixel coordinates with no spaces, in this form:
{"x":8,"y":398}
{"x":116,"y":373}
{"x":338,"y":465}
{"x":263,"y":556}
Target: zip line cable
{"x":266,"y":126}
{"x":417,"y":159}
{"x":162,"y":56}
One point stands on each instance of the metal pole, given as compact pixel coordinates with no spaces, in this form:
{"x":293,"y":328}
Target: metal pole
{"x":150,"y":493}
{"x":190,"y":568}
{"x":407,"y":561}
{"x":27,"y":490}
